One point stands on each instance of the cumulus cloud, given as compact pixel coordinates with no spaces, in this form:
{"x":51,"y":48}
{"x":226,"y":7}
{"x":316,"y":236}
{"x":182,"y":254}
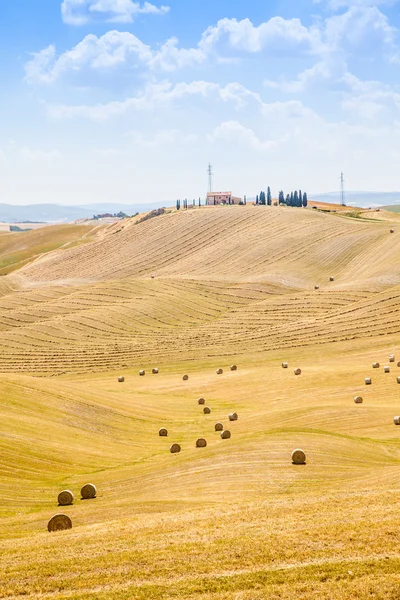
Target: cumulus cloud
{"x":79,"y":12}
{"x":116,"y":48}
{"x":158,"y":95}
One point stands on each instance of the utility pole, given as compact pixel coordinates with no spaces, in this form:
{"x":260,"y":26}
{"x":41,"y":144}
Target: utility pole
{"x":342,"y":192}
{"x":210,"y":177}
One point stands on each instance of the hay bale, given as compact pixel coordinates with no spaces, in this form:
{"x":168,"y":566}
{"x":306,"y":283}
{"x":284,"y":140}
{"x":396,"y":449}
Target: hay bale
{"x":88,"y":491}
{"x":316,"y":287}
{"x":59,"y":522}
{"x":201,"y":443}
{"x":65,"y":498}
{"x":285,"y":365}
{"x":219,"y":427}
{"x":297,"y":371}
{"x":398,"y":380}
{"x":375,"y":365}
{"x":298,"y":457}
{"x":121,"y":379}
{"x":219,"y":371}
{"x":185,"y":377}
{"x":201,"y":401}
{"x":392,"y":231}
{"x":233,"y":367}
{"x":398,"y":364}
{"x":154,"y":371}
{"x":163,"y":432}
{"x":233,"y":417}
{"x":206,"y":410}
{"x":331,"y":279}
{"x":392,"y":358}
{"x":368,"y":381}
{"x":175,"y":448}
{"x":396,"y":420}
{"x":142,"y":373}
{"x":225,"y":435}
{"x":358,"y":400}
{"x":386,"y":369}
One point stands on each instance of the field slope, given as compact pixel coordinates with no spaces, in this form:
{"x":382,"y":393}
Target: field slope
{"x":190,"y":292}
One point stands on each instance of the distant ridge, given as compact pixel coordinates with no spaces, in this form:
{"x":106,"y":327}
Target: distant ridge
{"x":56,"y":213}
{"x":363,"y":199}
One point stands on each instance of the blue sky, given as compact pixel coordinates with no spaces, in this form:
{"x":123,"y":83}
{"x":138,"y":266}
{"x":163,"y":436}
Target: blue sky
{"x":125,"y":101}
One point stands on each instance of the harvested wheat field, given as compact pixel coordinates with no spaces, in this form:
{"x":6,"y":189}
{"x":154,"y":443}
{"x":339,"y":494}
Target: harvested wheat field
{"x":235,"y":519}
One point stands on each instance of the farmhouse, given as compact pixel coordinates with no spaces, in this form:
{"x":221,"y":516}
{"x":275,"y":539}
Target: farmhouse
{"x":222,"y":198}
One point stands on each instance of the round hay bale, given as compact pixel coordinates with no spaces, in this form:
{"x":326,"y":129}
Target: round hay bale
{"x":154,"y":371}
{"x":206,"y":410}
{"x":185,"y":377}
{"x":358,"y":400}
{"x":297,"y":371}
{"x":65,"y":498}
{"x":386,"y":369}
{"x":88,"y":491}
{"x":375,"y":365}
{"x":233,"y":417}
{"x":219,"y":371}
{"x":201,"y":401}
{"x":392,"y":231}
{"x":368,"y":381}
{"x":285,"y":365}
{"x":142,"y":373}
{"x":152,"y":276}
{"x":201,"y":443}
{"x":163,"y":432}
{"x":316,"y":287}
{"x":233,"y":367}
{"x":175,"y":448}
{"x":121,"y":379}
{"x":219,"y":427}
{"x":59,"y":522}
{"x":331,"y":279}
{"x":396,"y":420}
{"x":298,"y":457}
{"x":398,"y":364}
{"x":398,"y":380}
{"x":392,"y":358}
{"x":225,"y":435}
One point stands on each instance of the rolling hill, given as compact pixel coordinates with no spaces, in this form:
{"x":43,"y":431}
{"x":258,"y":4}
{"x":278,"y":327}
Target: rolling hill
{"x":189,"y":292}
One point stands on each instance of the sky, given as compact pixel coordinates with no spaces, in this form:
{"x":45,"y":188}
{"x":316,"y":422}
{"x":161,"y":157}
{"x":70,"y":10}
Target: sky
{"x":128,"y":101}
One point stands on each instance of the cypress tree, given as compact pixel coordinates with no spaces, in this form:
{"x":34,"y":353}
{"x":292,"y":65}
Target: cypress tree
{"x":295,"y":199}
{"x":305,"y":200}
{"x":287,"y":200}
{"x":281,"y":197}
{"x":269,"y":197}
{"x":256,"y":199}
{"x":291,"y":199}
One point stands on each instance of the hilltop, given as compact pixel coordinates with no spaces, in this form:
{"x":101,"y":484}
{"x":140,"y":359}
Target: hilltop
{"x":189,"y":292}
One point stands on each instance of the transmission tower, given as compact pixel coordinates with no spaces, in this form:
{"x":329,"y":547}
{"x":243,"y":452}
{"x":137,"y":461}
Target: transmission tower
{"x":342,"y":192}
{"x":210,"y":177}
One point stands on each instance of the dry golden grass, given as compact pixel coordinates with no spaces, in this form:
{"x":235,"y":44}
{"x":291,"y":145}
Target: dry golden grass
{"x":234,"y":520}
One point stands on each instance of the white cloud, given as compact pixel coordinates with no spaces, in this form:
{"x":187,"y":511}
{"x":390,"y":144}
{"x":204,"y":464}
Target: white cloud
{"x":79,"y":12}
{"x":233,"y":131}
{"x":157,"y":95}
{"x":116,"y":48}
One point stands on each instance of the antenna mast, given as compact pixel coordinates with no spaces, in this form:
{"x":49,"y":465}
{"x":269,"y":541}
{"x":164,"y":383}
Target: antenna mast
{"x":342,"y":192}
{"x":210,"y":177}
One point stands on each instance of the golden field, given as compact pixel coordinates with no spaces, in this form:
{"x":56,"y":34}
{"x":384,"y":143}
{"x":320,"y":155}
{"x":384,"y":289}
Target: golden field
{"x":189,"y":292}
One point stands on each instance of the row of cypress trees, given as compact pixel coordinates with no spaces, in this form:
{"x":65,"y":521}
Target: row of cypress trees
{"x":296,"y":198}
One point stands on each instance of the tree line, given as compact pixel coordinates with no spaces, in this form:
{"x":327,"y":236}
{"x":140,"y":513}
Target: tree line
{"x":296,"y":198}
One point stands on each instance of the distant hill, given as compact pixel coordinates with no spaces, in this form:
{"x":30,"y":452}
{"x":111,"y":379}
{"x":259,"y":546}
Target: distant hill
{"x":55,"y":213}
{"x":393,"y":208}
{"x":362,"y":199}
